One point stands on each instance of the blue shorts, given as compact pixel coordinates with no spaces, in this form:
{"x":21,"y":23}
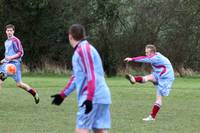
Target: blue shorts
{"x":98,"y":118}
{"x":164,"y":87}
{"x":17,"y":76}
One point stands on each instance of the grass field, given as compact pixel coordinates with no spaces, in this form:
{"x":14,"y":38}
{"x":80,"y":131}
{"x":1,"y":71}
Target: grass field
{"x":180,"y":112}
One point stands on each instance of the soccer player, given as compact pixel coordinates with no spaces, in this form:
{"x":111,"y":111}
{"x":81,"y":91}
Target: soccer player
{"x":93,"y":94}
{"x":13,"y":55}
{"x":162,"y":76}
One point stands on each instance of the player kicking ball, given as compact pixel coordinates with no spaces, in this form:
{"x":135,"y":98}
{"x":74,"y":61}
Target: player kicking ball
{"x":11,"y":64}
{"x":162,"y":76}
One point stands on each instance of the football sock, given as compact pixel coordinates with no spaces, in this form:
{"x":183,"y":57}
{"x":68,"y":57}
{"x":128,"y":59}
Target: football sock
{"x":155,"y":109}
{"x":32,"y":92}
{"x":139,"y":79}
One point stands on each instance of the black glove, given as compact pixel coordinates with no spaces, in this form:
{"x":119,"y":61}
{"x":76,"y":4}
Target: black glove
{"x":58,"y":99}
{"x":88,"y":106}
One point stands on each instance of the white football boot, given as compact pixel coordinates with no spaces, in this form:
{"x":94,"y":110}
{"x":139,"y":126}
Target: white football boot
{"x":149,"y":118}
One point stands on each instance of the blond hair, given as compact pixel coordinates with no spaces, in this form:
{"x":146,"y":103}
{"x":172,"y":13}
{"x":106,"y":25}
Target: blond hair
{"x":151,"y":47}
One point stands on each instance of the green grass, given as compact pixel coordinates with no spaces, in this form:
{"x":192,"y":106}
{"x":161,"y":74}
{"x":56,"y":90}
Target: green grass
{"x":180,"y":112}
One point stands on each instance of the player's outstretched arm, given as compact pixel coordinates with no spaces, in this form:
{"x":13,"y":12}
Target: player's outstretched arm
{"x":69,"y":88}
{"x":128,"y":59}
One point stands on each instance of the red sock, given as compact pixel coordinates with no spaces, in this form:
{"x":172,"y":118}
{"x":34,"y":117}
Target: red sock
{"x":155,"y":110}
{"x":32,"y":92}
{"x":138,"y":79}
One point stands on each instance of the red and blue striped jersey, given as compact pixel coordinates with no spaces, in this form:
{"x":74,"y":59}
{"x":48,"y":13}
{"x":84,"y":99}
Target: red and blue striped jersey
{"x":161,"y":65}
{"x":12,"y":47}
{"x":88,"y":76}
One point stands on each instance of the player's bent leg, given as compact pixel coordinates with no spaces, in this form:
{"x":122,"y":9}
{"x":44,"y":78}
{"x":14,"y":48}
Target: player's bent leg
{"x":79,"y":130}
{"x":27,"y":88}
{"x":140,"y":79}
{"x":149,"y":78}
{"x":133,"y":79}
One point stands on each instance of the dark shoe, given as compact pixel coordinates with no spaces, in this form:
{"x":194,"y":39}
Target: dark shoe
{"x":130,"y":78}
{"x":37,"y":99}
{"x":2,"y":76}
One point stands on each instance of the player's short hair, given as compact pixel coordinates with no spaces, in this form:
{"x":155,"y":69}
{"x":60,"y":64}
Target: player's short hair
{"x":151,"y":47}
{"x":10,"y":26}
{"x":77,"y":31}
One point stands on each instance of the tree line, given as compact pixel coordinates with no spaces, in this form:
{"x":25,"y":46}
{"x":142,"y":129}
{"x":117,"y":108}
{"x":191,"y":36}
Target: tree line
{"x":117,"y":28}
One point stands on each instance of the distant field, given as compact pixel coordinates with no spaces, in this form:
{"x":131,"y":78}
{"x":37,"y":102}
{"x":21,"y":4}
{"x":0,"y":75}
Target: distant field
{"x":180,"y":112}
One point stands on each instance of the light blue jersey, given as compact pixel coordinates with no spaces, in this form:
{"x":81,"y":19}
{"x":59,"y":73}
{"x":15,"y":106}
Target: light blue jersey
{"x":161,"y":65}
{"x":88,"y":76}
{"x":162,"y":71}
{"x":13,"y":47}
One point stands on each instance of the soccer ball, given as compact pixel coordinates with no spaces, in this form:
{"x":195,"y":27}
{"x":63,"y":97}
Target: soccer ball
{"x":10,"y":69}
